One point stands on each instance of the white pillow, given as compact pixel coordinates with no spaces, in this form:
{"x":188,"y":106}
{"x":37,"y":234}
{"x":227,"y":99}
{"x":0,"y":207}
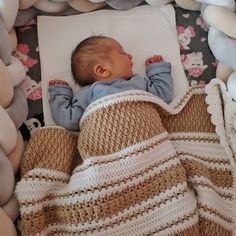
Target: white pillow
{"x":142,"y":31}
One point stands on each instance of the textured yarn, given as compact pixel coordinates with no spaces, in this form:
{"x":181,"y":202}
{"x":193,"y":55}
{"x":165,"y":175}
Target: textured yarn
{"x":148,"y":169}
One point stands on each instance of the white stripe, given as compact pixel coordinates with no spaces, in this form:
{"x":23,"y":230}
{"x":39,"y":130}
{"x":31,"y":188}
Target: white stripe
{"x":211,"y":199}
{"x":212,"y":165}
{"x":194,"y":135}
{"x":106,"y":173}
{"x":152,"y":220}
{"x":183,"y":225}
{"x":216,"y":219}
{"x":222,"y":190}
{"x":125,"y":151}
{"x":35,"y":188}
{"x":118,"y":187}
{"x":67,"y":200}
{"x":201,"y":149}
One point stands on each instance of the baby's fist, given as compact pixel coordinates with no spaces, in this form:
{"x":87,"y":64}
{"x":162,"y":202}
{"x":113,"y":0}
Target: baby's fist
{"x":153,"y":59}
{"x":57,"y":81}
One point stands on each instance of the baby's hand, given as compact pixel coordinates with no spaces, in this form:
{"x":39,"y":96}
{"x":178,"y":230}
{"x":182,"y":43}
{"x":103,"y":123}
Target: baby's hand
{"x":57,"y":81}
{"x":153,"y":59}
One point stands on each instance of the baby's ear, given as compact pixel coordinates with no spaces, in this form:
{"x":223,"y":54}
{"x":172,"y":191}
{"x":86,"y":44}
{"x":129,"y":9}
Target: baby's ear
{"x":101,"y":71}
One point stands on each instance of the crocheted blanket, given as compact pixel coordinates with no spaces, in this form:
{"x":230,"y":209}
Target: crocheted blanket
{"x":148,"y":169}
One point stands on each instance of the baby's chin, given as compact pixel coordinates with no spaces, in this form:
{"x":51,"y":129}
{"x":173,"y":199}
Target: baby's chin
{"x":128,"y":76}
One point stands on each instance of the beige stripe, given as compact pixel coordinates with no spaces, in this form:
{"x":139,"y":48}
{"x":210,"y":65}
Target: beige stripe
{"x":191,"y":118}
{"x":104,"y":132}
{"x":188,"y":93}
{"x":220,"y":178}
{"x":227,"y":196}
{"x":210,"y":228}
{"x":197,"y":139}
{"x":207,"y":158}
{"x":41,"y":177}
{"x":107,"y":206}
{"x":214,"y":212}
{"x":59,"y":216}
{"x":101,"y":187}
{"x":118,"y":158}
{"x":192,"y":230}
{"x":54,"y":148}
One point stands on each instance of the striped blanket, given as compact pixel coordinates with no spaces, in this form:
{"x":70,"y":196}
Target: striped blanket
{"x":148,"y":169}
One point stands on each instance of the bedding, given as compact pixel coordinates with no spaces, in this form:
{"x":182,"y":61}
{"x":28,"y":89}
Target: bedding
{"x":194,"y":48}
{"x":172,"y":173}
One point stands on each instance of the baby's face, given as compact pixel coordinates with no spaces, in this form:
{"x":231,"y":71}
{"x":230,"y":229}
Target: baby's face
{"x":121,"y":62}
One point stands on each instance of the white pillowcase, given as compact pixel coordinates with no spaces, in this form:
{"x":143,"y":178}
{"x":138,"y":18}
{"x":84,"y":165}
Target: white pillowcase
{"x":142,"y":31}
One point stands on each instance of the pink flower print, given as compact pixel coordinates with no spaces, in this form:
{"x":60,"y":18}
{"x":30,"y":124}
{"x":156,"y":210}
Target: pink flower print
{"x":21,"y":53}
{"x":184,"y":36}
{"x":195,"y":71}
{"x":36,"y":94}
{"x":202,"y":82}
{"x":193,"y":63}
{"x":195,"y":82}
{"x":201,"y":23}
{"x":215,"y":63}
{"x":31,"y":89}
{"x":28,"y":25}
{"x":23,"y":48}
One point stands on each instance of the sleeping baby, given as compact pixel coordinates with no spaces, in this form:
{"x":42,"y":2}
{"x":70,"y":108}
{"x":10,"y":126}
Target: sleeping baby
{"x":101,"y":66}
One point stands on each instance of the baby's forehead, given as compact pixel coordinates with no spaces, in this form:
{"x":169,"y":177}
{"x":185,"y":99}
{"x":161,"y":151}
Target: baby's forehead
{"x":112,"y":43}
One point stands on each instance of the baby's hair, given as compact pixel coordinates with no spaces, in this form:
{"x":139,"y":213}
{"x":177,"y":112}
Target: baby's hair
{"x":86,"y":54}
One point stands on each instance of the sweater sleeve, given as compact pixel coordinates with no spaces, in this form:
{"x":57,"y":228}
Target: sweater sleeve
{"x":66,"y":109}
{"x":160,"y":80}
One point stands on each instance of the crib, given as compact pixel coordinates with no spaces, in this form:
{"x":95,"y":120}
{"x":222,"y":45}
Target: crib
{"x":192,"y":180}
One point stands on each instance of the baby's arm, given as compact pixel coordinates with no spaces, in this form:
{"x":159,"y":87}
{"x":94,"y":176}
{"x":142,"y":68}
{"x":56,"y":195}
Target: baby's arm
{"x":65,"y":108}
{"x":161,"y":82}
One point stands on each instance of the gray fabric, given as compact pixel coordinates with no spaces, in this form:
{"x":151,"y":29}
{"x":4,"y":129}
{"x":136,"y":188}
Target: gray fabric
{"x":5,"y":44}
{"x":85,"y":5}
{"x":24,"y":16}
{"x":58,"y":0}
{"x":11,"y":208}
{"x":223,"y":47}
{"x":96,"y":1}
{"x":24,"y":4}
{"x":7,"y":179}
{"x":18,"y":109}
{"x":50,"y":7}
{"x":123,"y":4}
{"x":158,"y":3}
